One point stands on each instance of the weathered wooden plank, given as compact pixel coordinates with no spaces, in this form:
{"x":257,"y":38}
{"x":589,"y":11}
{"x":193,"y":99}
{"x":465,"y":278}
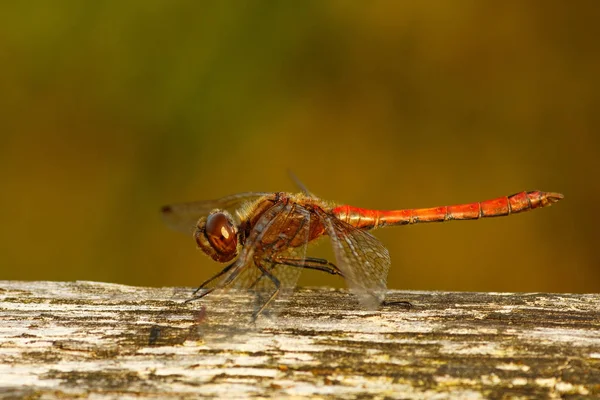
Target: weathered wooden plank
{"x":63,"y":340}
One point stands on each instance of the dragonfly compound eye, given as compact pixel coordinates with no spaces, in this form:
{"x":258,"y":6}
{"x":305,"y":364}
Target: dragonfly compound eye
{"x":217,"y":236}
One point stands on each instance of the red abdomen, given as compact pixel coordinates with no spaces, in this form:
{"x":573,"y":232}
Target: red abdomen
{"x":501,"y":206}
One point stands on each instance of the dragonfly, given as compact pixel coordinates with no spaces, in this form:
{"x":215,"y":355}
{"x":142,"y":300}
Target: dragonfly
{"x":262,"y":237}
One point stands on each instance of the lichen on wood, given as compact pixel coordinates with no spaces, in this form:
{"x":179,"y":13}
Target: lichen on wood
{"x":73,"y":339}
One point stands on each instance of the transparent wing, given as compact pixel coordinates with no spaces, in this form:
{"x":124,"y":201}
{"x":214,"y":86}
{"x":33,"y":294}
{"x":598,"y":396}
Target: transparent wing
{"x":258,"y":272}
{"x":261,"y":292}
{"x":243,"y":271}
{"x":284,"y":263}
{"x":299,"y":184}
{"x":183,"y":217}
{"x":361,"y":257}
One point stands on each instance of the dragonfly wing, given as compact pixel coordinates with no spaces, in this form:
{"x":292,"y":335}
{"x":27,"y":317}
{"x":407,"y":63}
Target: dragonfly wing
{"x":362,"y":258}
{"x":299,"y":184}
{"x":183,"y":217}
{"x":244,"y":273}
{"x":259,"y":280}
{"x":260,"y":288}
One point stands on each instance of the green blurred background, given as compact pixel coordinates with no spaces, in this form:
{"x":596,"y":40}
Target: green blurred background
{"x":111,"y":109}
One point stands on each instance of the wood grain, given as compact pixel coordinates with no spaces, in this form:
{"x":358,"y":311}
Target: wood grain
{"x":81,"y":339}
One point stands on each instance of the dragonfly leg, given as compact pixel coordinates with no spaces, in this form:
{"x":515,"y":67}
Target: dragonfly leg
{"x":226,"y":282}
{"x":256,"y":281}
{"x":277,"y":284}
{"x":206,"y":282}
{"x":319,"y":264}
{"x":198,"y":297}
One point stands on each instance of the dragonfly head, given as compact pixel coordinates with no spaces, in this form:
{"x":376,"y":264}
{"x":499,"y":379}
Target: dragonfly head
{"x":217,"y":236}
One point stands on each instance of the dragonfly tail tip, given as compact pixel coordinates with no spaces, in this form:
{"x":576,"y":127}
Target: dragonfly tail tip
{"x":552,"y":197}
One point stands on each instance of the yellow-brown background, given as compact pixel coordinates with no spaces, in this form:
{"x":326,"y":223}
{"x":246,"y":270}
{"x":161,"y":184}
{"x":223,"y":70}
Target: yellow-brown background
{"x":110,"y":109}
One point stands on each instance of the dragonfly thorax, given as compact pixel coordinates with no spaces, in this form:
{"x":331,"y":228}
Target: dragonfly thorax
{"x":217,"y":235}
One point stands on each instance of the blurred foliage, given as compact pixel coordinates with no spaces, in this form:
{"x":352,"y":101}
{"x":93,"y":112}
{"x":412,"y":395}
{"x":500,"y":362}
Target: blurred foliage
{"x":111,"y":109}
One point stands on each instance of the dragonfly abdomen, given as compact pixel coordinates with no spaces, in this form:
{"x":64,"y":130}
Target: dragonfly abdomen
{"x":501,"y":206}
